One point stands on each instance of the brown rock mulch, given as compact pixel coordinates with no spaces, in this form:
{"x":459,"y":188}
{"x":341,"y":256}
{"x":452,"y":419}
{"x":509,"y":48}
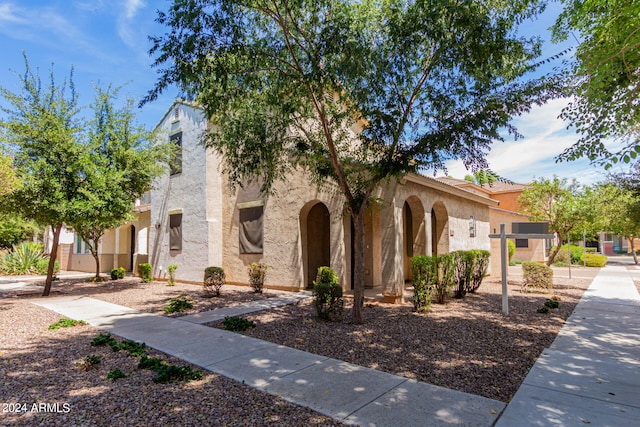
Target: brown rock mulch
{"x":40,"y":367}
{"x":466,"y":345}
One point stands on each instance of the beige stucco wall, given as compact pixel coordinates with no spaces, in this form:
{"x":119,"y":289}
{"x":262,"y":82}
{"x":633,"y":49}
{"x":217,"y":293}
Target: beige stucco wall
{"x":385,"y":244}
{"x":283,"y":232}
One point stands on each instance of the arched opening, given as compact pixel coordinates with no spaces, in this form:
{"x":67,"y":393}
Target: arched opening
{"x":413,"y":235}
{"x":132,"y":247}
{"x":316,"y":242}
{"x":439,"y":229}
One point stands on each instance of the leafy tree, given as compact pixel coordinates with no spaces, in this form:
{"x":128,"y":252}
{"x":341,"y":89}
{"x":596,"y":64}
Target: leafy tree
{"x":121,"y":168}
{"x":42,"y":127}
{"x":14,"y":230}
{"x":605,"y":77}
{"x":619,"y":211}
{"x":7,"y":174}
{"x":357,"y":92}
{"x":556,"y":201}
{"x":482,"y":177}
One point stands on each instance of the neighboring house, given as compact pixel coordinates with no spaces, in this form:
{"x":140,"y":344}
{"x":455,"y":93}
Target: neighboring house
{"x":506,"y":212}
{"x":198,"y":221}
{"x":126,"y":246}
{"x":610,"y":244}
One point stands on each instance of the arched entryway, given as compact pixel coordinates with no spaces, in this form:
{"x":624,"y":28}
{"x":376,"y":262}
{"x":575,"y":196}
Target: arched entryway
{"x":413,"y":236}
{"x":315,"y":223}
{"x":132,"y":247}
{"x":439,"y":229}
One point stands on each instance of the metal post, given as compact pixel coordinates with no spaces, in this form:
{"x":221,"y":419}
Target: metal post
{"x":569,"y":250}
{"x":504,"y":263}
{"x":584,"y":245}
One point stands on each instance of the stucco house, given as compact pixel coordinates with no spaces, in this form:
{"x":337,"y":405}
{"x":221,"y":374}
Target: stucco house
{"x":198,"y":221}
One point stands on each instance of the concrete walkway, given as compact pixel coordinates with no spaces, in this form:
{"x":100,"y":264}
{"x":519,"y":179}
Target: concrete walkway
{"x":344,"y":391}
{"x":591,"y":372}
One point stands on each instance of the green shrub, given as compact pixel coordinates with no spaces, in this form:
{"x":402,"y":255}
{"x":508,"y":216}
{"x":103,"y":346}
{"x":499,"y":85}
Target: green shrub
{"x":171,"y":373}
{"x":257,"y":272}
{"x":42,"y":266}
{"x":24,"y":259}
{"x":594,"y":260}
{"x":67,"y":323}
{"x":116,"y":374}
{"x":536,"y":275}
{"x":591,"y":250}
{"x":117,"y":273}
{"x":90,"y":362}
{"x":133,"y":347}
{"x":171,"y":269}
{"x":423,"y":272}
{"x":151,"y":363}
{"x":563,"y":254}
{"x":446,"y":276}
{"x":237,"y":324}
{"x":551,"y":303}
{"x":145,"y":272}
{"x":213,"y":280}
{"x":543,"y":309}
{"x":463,"y":271}
{"x":178,"y":304}
{"x":511,"y":249}
{"x":480,"y":265}
{"x":106,"y":339}
{"x":166,"y":372}
{"x":327,"y":295}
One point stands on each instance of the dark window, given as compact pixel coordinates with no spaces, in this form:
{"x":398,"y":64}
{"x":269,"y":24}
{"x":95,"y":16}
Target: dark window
{"x":250,"y":227}
{"x":176,"y":157}
{"x":175,"y":232}
{"x":522,"y":243}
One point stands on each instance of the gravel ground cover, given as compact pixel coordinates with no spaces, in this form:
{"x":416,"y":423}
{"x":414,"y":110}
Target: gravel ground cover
{"x":153,"y":297}
{"x":466,"y":345}
{"x":40,"y":366}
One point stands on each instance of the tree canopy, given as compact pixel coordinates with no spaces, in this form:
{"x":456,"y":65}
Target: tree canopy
{"x":357,"y":92}
{"x":605,"y":78}
{"x":41,"y":126}
{"x":557,"y":201}
{"x":69,"y":171}
{"x":122,"y":164}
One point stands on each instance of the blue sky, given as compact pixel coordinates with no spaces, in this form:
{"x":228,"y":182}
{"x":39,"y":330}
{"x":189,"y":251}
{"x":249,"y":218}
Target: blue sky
{"x":106,"y":41}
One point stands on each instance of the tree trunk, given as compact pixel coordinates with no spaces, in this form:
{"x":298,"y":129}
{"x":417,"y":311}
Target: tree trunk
{"x":358,"y":266}
{"x":553,"y":254}
{"x":52,"y":259}
{"x":97,"y":258}
{"x":633,"y":250}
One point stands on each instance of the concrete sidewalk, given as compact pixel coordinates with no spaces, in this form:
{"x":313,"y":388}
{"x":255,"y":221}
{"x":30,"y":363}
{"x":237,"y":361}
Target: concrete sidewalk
{"x":591,"y":372}
{"x":344,"y":391}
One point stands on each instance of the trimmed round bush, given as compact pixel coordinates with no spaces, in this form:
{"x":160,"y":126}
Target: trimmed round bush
{"x":214,"y":278}
{"x":594,"y":260}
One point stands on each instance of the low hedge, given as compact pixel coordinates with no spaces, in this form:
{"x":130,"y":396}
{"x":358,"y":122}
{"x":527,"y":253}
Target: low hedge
{"x":594,"y":260}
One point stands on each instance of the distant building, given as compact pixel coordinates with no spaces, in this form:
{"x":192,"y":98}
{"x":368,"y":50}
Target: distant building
{"x":506,"y":212}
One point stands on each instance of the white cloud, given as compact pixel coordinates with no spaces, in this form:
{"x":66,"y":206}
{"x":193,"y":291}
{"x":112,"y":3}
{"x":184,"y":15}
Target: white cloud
{"x":545,"y":137}
{"x":126,"y":28}
{"x":9,"y":13}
